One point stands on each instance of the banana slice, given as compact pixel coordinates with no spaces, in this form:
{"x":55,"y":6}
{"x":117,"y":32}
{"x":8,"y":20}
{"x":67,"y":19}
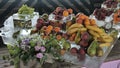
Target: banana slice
{"x":71,"y":31}
{"x":76,"y":25}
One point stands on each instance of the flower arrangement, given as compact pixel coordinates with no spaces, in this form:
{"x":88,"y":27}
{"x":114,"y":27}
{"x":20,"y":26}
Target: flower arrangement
{"x":39,"y":47}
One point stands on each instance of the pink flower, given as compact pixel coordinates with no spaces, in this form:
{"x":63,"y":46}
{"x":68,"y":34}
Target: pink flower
{"x":37,"y":48}
{"x":42,"y":49}
{"x":39,"y":55}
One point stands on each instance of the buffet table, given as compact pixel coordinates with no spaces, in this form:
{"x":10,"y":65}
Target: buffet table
{"x":92,"y":62}
{"x":61,"y":38}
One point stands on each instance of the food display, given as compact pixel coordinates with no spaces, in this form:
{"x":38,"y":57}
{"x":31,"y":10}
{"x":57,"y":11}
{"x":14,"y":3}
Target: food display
{"x":116,"y":15}
{"x":104,"y":15}
{"x":26,"y":10}
{"x":61,"y":14}
{"x":22,"y":19}
{"x":110,"y":4}
{"x":101,"y":13}
{"x":66,"y":37}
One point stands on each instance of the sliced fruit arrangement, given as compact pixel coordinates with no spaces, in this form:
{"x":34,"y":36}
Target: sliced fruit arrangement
{"x":63,"y":34}
{"x":116,"y":16}
{"x":84,"y":20}
{"x":99,"y":34}
{"x":60,"y":12}
{"x":86,"y":34}
{"x":50,"y":32}
{"x":75,"y":27}
{"x":81,"y":31}
{"x":101,"y":13}
{"x":111,"y":3}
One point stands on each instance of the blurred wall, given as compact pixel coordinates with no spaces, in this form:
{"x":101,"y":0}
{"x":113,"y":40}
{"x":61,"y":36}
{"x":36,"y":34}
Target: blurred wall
{"x":8,"y":7}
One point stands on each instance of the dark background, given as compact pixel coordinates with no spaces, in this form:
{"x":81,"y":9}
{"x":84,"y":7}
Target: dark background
{"x":8,"y":7}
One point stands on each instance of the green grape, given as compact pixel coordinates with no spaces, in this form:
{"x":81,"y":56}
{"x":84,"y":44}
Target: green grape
{"x":26,"y":10}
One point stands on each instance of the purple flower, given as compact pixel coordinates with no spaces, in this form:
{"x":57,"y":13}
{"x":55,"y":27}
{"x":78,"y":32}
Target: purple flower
{"x":37,"y":48}
{"x":39,"y":55}
{"x":25,"y":41}
{"x":42,"y":48}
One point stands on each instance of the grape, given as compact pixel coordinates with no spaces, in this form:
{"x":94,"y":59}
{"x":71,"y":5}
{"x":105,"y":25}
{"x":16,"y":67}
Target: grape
{"x":101,"y":13}
{"x":109,"y":13}
{"x":111,"y":3}
{"x":40,"y":23}
{"x":38,"y":26}
{"x":26,"y":10}
{"x":58,"y":12}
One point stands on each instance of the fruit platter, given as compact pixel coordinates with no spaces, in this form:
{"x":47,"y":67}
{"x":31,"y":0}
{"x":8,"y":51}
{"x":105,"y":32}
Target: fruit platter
{"x":78,"y":39}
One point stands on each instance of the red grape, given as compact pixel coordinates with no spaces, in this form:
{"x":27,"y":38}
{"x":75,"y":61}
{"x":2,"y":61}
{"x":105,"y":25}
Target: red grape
{"x":40,"y":23}
{"x":111,"y":3}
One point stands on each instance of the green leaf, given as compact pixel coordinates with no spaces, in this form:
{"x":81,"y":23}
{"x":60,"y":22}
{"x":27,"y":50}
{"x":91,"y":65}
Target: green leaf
{"x":25,"y":57}
{"x":17,"y":62}
{"x":32,"y":43}
{"x":42,"y":60}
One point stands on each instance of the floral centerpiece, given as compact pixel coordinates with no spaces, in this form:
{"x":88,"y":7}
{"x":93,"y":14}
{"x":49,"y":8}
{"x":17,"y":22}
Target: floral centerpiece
{"x":47,"y":46}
